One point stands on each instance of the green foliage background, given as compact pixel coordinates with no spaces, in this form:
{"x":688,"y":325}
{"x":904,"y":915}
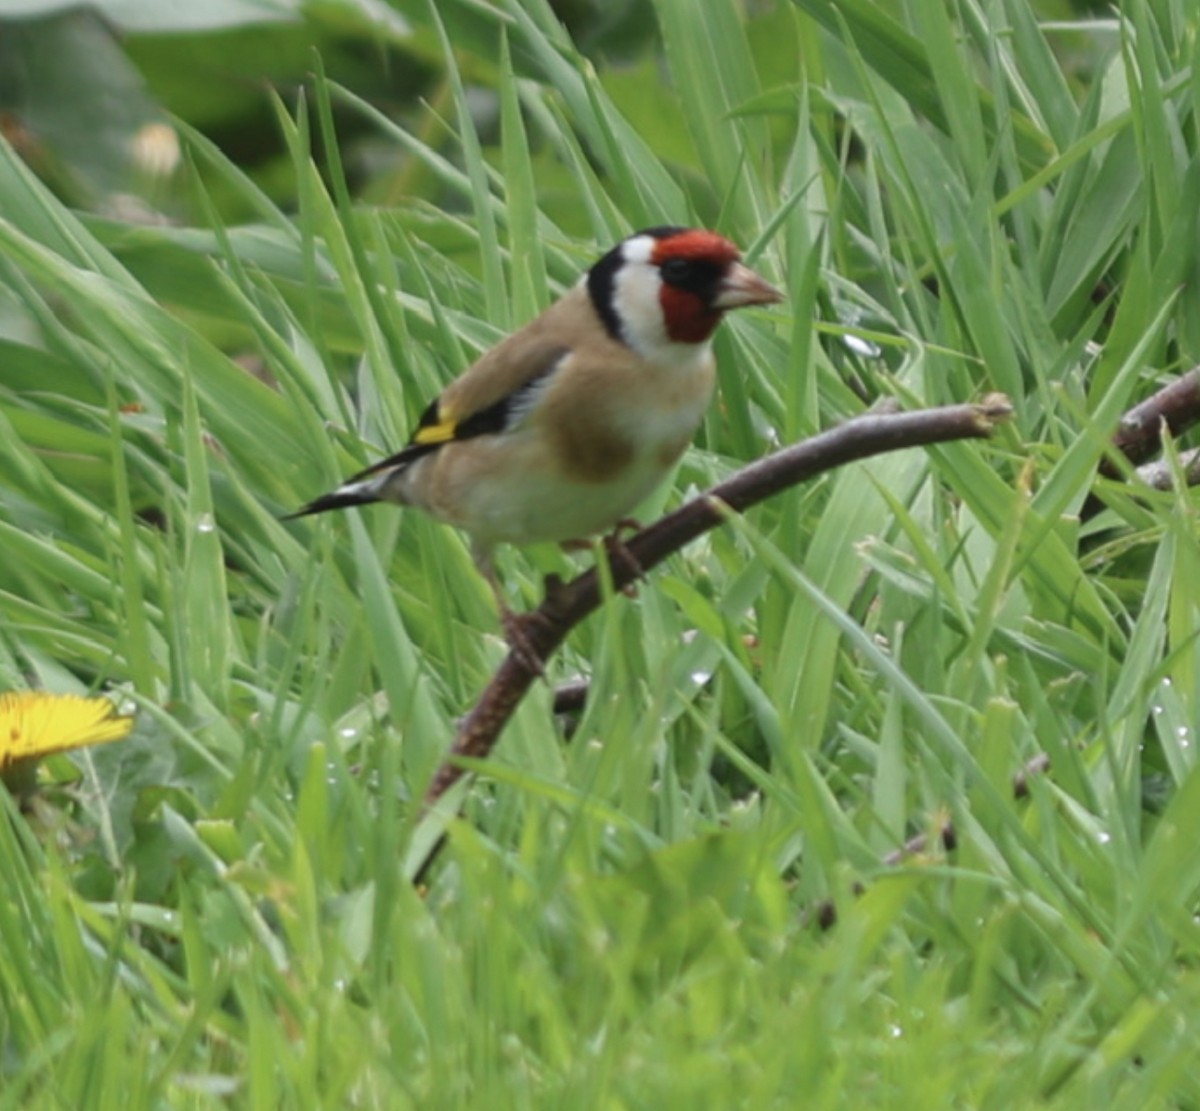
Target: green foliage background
{"x":959,"y":199}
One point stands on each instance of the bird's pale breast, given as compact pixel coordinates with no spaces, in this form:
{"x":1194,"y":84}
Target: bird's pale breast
{"x":572,"y":471}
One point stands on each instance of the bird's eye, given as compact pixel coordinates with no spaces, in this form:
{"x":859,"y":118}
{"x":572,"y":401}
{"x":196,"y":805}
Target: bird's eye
{"x":677,"y":271}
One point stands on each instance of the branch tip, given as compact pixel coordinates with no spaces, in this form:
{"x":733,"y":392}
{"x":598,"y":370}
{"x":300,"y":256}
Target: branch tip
{"x":993,"y":410}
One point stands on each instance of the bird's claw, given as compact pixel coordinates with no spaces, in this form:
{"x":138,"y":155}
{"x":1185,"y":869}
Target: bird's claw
{"x":618,"y":549}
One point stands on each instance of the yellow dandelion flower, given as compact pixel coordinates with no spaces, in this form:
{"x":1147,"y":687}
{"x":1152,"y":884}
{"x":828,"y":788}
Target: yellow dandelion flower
{"x":34,"y":724}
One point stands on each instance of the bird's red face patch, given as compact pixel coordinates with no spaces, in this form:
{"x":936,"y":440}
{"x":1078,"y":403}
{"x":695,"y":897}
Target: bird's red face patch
{"x":692,"y":263}
{"x":686,"y":317}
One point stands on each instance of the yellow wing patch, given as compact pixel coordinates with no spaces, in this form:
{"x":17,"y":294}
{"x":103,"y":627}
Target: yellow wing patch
{"x":440,"y":430}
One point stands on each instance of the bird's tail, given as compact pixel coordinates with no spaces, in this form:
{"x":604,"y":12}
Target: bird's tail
{"x":346,"y":495}
{"x":367,"y":486}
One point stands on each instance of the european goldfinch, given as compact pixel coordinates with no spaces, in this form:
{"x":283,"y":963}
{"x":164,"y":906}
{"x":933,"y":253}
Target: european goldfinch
{"x":560,"y":430}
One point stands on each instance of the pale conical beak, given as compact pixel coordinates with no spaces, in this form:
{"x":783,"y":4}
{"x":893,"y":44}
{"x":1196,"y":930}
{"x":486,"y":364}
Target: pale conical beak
{"x":742,"y":286}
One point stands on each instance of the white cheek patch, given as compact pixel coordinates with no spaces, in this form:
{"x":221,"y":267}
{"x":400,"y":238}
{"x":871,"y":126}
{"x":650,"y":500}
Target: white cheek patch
{"x":635,"y":298}
{"x":638,"y":248}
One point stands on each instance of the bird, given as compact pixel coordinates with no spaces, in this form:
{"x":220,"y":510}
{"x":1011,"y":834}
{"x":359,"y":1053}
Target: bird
{"x":559,"y":431}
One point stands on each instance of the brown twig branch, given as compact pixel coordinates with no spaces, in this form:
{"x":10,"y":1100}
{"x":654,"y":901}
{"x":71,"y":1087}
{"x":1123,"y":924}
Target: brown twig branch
{"x":567,"y":604}
{"x":1160,"y":475}
{"x":1175,"y":408}
{"x":1139,"y":435}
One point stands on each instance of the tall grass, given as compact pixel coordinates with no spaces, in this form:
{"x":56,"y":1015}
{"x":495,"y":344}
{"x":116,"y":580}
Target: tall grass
{"x":218,"y":911}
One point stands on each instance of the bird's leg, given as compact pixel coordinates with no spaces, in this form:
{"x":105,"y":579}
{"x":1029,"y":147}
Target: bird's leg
{"x":516,"y":633}
{"x":616,"y":549}
{"x":515,"y":625}
{"x":556,"y":594}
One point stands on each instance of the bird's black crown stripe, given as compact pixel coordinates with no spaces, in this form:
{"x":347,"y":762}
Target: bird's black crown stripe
{"x":662,"y":231}
{"x":602,"y":288}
